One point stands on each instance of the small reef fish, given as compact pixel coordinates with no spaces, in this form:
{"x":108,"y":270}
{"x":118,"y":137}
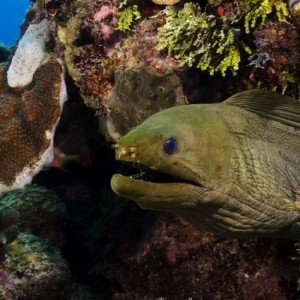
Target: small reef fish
{"x":231,"y":168}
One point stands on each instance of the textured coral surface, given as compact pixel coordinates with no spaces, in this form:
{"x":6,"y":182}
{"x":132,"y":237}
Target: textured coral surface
{"x":28,"y":116}
{"x":32,"y":270}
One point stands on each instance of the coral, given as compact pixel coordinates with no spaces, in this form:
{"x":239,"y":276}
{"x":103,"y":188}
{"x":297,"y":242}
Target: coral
{"x":211,"y":42}
{"x":137,"y":94}
{"x":48,"y":209}
{"x":194,"y":39}
{"x":83,"y":41}
{"x":92,"y":60}
{"x":258,"y":9}
{"x":127,"y":16}
{"x":139,"y":50}
{"x":29,"y":55}
{"x":277,"y":52}
{"x":29,"y":118}
{"x":110,"y":243}
{"x":105,"y":20}
{"x":33,"y":270}
{"x":9,"y":228}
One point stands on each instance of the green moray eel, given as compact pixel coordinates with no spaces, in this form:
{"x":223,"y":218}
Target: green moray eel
{"x":233,"y":167}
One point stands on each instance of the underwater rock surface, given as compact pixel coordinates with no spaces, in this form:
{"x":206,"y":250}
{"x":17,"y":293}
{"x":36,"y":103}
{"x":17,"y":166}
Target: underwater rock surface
{"x":32,"y":270}
{"x":159,"y":255}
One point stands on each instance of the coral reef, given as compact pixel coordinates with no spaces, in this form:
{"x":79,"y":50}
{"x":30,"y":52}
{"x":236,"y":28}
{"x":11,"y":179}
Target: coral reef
{"x":33,"y":270}
{"x":166,"y":2}
{"x":198,"y":42}
{"x":127,"y":16}
{"x":210,"y":42}
{"x":49,"y":211}
{"x":277,"y":46}
{"x":29,"y":118}
{"x":117,"y":55}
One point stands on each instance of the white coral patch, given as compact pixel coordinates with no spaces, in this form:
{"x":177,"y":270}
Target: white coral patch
{"x":29,"y":55}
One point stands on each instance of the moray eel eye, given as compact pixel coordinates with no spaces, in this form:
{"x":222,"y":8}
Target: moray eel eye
{"x":170,"y":146}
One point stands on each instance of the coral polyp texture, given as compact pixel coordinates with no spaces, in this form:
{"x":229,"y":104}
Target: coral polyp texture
{"x":28,"y":120}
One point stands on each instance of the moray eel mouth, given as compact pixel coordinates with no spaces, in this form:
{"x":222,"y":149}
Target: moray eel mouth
{"x":149,"y":188}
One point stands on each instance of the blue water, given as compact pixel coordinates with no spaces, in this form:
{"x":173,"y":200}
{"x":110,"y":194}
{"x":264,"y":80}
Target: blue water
{"x":12,"y":14}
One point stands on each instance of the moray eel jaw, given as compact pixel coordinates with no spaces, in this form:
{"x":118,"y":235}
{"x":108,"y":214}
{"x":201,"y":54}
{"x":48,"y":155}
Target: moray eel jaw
{"x":147,"y":194}
{"x":156,"y":196}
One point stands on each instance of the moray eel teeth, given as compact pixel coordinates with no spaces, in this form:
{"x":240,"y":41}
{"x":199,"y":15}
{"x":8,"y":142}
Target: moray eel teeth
{"x":126,"y":153}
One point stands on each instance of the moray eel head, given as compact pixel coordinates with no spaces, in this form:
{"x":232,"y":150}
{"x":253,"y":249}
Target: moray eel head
{"x":185,"y":151}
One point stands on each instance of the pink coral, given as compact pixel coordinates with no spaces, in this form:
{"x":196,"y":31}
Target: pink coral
{"x":106,"y":30}
{"x":106,"y":17}
{"x":104,"y":12}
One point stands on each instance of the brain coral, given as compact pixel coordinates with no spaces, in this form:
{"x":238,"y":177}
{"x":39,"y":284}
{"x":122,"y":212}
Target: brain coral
{"x":28,"y":119}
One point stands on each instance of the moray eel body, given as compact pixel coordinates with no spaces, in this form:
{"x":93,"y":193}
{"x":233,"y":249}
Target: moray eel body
{"x":231,"y":168}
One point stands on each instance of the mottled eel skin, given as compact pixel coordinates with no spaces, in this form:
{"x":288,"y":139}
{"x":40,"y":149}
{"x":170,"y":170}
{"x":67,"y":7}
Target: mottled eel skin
{"x":234,"y":166}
